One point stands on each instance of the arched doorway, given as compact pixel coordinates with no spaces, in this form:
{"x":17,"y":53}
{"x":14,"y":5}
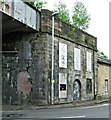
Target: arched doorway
{"x":76,"y":90}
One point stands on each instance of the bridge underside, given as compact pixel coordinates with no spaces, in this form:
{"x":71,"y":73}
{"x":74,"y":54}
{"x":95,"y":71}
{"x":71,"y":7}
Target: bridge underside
{"x":9,"y":25}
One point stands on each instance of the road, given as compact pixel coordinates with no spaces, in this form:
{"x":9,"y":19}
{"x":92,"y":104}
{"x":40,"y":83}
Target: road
{"x":98,"y":111}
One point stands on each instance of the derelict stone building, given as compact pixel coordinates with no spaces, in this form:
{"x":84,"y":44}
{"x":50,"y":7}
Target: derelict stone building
{"x":27,"y":60}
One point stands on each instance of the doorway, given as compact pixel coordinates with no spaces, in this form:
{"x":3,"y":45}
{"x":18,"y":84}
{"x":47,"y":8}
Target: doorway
{"x":76,"y":90}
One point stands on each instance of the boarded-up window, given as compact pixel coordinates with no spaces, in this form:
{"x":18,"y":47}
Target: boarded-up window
{"x":77,"y":59}
{"x":62,"y":85}
{"x":89,"y":62}
{"x":62,"y":55}
{"x":23,"y":84}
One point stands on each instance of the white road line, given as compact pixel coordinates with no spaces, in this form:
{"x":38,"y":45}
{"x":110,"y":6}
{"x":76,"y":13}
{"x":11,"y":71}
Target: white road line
{"x":73,"y":117}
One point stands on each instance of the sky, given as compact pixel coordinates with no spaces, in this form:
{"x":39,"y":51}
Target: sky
{"x":99,"y":23}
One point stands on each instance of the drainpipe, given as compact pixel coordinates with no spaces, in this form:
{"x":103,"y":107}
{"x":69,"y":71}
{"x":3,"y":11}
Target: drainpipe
{"x":94,"y":73}
{"x":52,"y":78}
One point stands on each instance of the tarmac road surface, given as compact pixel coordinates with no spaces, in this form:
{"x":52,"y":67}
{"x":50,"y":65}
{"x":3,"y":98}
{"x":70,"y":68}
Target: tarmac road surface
{"x":98,"y":111}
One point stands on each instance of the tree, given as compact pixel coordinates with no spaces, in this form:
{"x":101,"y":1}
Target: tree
{"x":80,"y":17}
{"x":61,"y":8}
{"x":101,"y":54}
{"x":38,"y":4}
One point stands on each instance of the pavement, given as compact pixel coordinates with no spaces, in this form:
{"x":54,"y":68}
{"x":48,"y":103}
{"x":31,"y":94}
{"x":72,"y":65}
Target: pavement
{"x":68,"y":105}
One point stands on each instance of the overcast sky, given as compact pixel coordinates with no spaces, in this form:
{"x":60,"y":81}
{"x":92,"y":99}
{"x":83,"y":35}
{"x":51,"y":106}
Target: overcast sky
{"x":99,"y":24}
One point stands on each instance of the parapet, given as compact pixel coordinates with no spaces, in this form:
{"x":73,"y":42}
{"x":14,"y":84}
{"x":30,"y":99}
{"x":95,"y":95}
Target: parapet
{"x":63,"y":29}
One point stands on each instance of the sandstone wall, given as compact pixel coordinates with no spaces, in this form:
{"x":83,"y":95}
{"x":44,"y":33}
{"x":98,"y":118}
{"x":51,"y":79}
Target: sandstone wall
{"x":103,"y":74}
{"x":27,"y":63}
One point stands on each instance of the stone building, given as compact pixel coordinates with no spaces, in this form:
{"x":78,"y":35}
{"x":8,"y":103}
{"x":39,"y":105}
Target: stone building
{"x":103,"y":82}
{"x":27,"y":61}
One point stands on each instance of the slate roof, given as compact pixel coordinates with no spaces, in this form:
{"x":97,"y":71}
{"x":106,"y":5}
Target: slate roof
{"x":104,"y":61}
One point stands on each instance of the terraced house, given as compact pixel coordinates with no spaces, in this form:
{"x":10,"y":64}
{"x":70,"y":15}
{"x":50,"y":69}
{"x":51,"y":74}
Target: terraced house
{"x":103,"y":82}
{"x":27,"y":58}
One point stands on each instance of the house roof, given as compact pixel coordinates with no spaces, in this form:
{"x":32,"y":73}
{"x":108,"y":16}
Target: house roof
{"x":104,"y":61}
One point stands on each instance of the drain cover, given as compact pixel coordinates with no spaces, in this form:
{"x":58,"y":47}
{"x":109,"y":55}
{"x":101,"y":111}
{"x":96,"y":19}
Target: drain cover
{"x":12,"y":115}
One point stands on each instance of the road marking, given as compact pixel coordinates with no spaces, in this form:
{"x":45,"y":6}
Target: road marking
{"x":93,"y":106}
{"x":74,"y":117}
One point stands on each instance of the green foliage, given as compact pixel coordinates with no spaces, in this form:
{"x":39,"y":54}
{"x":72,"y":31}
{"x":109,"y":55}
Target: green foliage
{"x":63,"y":12}
{"x":38,"y":4}
{"x":92,"y":45}
{"x":89,"y":42}
{"x":79,"y":39}
{"x":30,"y":80}
{"x":80,"y":17}
{"x":101,"y":54}
{"x":38,"y":34}
{"x":87,"y":39}
{"x":71,"y":32}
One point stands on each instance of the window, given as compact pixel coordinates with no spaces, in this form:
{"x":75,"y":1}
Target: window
{"x":106,"y":85}
{"x":89,"y":86}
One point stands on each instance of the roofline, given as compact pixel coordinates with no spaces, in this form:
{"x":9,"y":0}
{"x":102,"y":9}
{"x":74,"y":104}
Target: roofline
{"x":104,"y":61}
{"x":71,"y":25}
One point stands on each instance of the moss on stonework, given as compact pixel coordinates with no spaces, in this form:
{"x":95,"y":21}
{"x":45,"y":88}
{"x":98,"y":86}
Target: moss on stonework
{"x":80,"y":39}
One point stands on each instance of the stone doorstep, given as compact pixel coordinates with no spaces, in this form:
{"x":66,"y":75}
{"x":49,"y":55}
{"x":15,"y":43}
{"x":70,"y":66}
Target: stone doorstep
{"x":84,"y":103}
